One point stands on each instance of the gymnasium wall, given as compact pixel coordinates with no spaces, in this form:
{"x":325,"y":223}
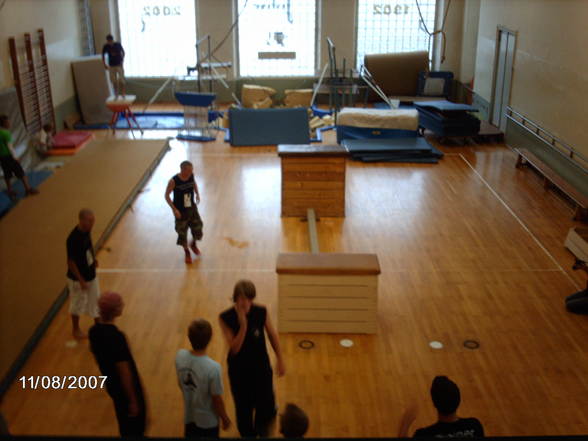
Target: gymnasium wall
{"x":59,"y":19}
{"x":550,"y":80}
{"x":336,"y":20}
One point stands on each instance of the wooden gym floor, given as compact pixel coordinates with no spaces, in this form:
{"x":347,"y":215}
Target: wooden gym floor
{"x":471,"y":248}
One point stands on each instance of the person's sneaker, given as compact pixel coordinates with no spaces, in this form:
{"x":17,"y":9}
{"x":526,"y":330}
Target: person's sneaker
{"x":188,"y":258}
{"x":194,"y":248}
{"x":32,"y":191}
{"x":12,"y":195}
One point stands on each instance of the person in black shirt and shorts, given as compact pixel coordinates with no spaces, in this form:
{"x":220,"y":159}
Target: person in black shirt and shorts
{"x":446,"y":398}
{"x":184,"y":208}
{"x":250,"y":372}
{"x":116,"y":363}
{"x":82,"y":282}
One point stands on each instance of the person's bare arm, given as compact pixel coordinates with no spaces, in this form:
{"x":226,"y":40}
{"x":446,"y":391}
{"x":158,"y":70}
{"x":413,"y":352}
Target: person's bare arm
{"x":219,"y":407}
{"x":275,"y":342}
{"x":126,"y":379}
{"x":76,"y":272}
{"x":104,"y":60}
{"x":122,"y":55}
{"x":407,"y":419}
{"x":197,"y":192}
{"x":235,"y":342}
{"x":170,"y":187}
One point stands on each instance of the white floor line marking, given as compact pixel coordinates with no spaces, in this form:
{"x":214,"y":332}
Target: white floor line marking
{"x":179,"y":270}
{"x":537,"y":241}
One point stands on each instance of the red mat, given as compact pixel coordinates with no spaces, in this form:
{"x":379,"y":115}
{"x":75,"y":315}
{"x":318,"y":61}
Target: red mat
{"x":69,"y":142}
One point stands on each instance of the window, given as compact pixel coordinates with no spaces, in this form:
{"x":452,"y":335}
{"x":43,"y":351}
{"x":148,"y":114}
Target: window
{"x":393,"y":26}
{"x":159,"y":36}
{"x":277,"y":37}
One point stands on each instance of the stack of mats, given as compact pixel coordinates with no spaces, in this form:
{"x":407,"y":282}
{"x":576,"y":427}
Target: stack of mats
{"x":68,"y":143}
{"x":445,"y":118}
{"x":356,"y":123}
{"x":414,"y":150}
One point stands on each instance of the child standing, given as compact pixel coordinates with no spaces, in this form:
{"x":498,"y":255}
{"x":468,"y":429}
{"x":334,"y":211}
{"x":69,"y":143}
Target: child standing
{"x":44,"y":141}
{"x":199,"y":378}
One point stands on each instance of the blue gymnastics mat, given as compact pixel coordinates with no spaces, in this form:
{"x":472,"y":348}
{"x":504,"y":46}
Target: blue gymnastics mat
{"x":150,"y":121}
{"x":412,"y":149}
{"x":35,"y":179}
{"x":250,"y":127}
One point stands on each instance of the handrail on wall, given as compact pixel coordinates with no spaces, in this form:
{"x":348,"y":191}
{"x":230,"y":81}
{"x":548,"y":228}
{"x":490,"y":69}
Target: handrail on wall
{"x":551,"y":141}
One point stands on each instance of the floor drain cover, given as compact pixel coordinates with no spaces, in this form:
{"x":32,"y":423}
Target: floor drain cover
{"x":346,"y":343}
{"x":471,"y":344}
{"x":305,"y":344}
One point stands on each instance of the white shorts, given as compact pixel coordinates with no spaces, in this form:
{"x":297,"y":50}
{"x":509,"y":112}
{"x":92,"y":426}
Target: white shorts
{"x":83,"y":301}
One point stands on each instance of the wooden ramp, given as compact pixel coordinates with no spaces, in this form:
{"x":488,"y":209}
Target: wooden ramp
{"x":105,"y":177}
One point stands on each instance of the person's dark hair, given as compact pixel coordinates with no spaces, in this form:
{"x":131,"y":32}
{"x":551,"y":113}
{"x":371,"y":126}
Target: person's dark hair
{"x":109,"y":37}
{"x":244,"y":288}
{"x":186,"y":164}
{"x":199,"y":333}
{"x":84,"y":212}
{"x":3,"y":120}
{"x":47,"y":127}
{"x":445,"y":395}
{"x":293,"y":422}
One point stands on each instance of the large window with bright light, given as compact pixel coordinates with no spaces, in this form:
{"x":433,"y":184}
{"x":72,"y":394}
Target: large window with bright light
{"x":159,"y":36}
{"x":277,"y":37}
{"x":393,"y":26}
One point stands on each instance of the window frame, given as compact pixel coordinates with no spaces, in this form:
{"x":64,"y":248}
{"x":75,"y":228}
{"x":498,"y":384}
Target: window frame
{"x":118,"y":34}
{"x":434,"y":43}
{"x":317,"y":35}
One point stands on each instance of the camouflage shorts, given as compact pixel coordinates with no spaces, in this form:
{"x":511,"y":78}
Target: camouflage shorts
{"x":190,"y":219}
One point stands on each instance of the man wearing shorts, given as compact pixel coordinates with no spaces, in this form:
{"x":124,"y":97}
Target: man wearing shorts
{"x":10,"y":165}
{"x":81,"y":272}
{"x":116,"y":57}
{"x":184,"y":208}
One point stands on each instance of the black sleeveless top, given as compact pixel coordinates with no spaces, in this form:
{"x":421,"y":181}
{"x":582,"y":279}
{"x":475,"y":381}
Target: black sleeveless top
{"x":183,"y":193}
{"x":253,"y":354}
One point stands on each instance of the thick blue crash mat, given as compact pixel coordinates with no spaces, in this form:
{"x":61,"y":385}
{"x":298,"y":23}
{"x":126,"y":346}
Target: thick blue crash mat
{"x":445,"y":118}
{"x":349,"y":132}
{"x":268,"y":126}
{"x":415,"y":150}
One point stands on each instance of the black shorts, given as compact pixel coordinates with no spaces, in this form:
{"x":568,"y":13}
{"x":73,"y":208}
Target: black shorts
{"x":11,"y":167}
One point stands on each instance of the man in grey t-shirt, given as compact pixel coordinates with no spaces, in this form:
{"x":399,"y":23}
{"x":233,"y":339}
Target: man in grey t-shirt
{"x":199,"y":378}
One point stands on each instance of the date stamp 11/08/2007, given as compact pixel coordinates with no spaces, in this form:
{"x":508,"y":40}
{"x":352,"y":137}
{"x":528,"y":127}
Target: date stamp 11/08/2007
{"x":61,"y":382}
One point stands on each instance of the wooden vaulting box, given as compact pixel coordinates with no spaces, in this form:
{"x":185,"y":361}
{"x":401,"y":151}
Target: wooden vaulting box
{"x":327,"y":292}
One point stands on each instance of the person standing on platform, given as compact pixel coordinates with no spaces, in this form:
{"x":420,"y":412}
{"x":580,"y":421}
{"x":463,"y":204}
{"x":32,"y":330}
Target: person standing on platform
{"x":10,"y":165}
{"x":116,"y":58}
{"x":113,"y":355}
{"x":250,"y":372}
{"x":200,"y":379}
{"x":446,"y":398}
{"x":184,"y":208}
{"x":82,"y":282}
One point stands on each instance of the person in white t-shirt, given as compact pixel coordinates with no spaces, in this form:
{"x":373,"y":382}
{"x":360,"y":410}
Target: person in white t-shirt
{"x":44,"y":139}
{"x":199,"y":378}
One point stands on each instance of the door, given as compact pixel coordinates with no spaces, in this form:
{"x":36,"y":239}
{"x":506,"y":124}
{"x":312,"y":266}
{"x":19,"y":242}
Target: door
{"x":503,"y":76}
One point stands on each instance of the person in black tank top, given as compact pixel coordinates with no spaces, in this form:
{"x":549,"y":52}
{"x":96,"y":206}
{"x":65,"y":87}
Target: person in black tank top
{"x":250,"y":371}
{"x":183,"y":185}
